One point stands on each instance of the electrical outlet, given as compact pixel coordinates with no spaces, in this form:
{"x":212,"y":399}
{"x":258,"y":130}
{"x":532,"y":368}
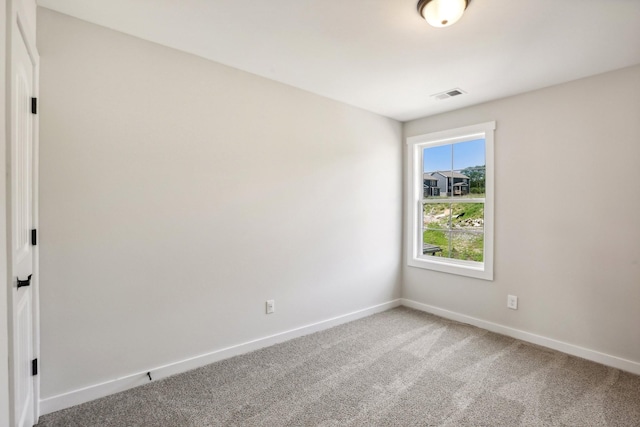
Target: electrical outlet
{"x":512,"y":302}
{"x":271,"y":306}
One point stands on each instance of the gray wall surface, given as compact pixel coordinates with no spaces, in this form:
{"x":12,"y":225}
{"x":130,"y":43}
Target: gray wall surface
{"x":177,"y":195}
{"x":566,"y":243}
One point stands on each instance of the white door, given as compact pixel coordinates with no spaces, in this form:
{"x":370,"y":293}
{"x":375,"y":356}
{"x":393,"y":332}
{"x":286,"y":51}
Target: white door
{"x":22,"y":137}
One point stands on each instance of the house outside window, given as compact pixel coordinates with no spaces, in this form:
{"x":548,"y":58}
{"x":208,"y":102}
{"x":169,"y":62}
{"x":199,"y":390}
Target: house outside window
{"x":450,"y":208}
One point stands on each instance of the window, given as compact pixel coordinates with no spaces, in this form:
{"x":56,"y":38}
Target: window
{"x":450,"y":201}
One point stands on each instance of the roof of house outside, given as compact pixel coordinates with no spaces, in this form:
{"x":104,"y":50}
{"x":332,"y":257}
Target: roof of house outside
{"x":450,"y":174}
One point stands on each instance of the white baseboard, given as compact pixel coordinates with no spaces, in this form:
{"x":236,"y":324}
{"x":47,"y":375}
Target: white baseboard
{"x":86,"y":394}
{"x":574,"y":350}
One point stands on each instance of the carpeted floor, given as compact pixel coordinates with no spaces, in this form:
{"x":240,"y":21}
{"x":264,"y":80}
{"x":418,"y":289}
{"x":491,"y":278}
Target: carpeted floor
{"x":397,"y":368}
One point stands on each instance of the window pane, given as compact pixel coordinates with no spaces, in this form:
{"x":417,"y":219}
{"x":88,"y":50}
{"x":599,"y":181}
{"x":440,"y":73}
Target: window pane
{"x":468,"y":154}
{"x":437,"y":158}
{"x":459,"y":184}
{"x":431,"y":186}
{"x":467,"y":217}
{"x":436,"y":215}
{"x":434,"y":161}
{"x":469,"y":168}
{"x":435,"y":243}
{"x":453,"y":230}
{"x":467,"y":246}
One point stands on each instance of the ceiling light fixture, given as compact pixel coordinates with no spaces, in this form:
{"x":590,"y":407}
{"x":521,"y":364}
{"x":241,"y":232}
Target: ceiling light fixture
{"x":442,"y":13}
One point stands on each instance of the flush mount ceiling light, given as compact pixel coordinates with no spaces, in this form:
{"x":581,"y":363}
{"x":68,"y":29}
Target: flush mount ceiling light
{"x":442,"y":13}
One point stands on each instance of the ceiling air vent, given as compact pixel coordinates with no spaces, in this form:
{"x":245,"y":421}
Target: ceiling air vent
{"x":448,"y":94}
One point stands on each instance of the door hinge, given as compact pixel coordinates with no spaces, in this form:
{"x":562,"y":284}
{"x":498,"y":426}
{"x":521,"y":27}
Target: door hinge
{"x":22,"y":283}
{"x":34,"y":367}
{"x":34,"y":237}
{"x":34,"y":105}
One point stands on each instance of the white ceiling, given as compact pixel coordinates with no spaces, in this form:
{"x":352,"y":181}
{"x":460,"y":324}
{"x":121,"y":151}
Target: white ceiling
{"x":380,"y":55}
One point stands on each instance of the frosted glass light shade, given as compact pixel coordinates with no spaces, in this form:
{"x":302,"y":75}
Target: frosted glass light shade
{"x":442,"y":13}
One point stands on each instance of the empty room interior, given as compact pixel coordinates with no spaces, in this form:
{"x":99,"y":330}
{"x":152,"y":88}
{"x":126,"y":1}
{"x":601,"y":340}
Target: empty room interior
{"x":357,"y":212}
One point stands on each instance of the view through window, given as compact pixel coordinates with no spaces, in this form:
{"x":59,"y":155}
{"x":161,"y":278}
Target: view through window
{"x":453,"y":200}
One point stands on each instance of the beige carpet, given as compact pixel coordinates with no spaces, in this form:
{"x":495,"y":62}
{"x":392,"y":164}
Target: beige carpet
{"x":397,"y":368}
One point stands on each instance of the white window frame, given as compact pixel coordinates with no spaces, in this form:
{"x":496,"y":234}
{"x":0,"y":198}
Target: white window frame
{"x":415,"y":257}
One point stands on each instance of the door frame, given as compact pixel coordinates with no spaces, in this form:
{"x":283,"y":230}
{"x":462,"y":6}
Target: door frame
{"x":21,"y":22}
{"x":4,"y":288}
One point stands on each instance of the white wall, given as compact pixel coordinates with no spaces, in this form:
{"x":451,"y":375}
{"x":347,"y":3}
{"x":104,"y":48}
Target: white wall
{"x":4,"y":289}
{"x":566,"y":214}
{"x":177,"y":195}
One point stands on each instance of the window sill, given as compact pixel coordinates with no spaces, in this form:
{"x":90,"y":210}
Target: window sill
{"x":473,"y":269}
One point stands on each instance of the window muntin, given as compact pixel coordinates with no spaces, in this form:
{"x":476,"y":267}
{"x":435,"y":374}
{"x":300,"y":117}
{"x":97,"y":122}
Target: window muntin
{"x":451,"y":211}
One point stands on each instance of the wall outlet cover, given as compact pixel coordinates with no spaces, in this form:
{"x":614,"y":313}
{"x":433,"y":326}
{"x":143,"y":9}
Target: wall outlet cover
{"x":271,"y":306}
